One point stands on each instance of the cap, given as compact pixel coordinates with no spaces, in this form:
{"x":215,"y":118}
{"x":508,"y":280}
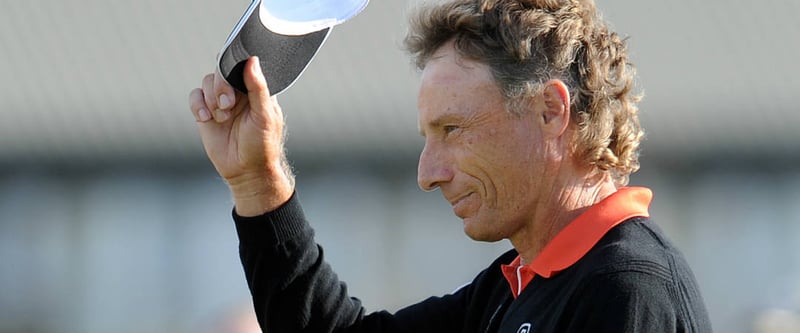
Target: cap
{"x":285,"y":35}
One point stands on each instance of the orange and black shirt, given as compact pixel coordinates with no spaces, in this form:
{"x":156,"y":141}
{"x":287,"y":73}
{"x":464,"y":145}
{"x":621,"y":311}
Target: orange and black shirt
{"x":609,"y":270}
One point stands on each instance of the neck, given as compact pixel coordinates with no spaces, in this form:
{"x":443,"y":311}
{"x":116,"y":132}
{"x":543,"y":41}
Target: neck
{"x":561,"y":205}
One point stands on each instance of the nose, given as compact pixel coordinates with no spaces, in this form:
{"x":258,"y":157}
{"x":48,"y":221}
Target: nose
{"x":433,"y":169}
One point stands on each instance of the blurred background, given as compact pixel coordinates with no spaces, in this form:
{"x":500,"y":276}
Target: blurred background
{"x":112,"y":219}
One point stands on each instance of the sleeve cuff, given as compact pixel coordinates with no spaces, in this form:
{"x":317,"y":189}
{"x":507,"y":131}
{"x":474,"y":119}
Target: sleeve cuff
{"x":285,"y":223}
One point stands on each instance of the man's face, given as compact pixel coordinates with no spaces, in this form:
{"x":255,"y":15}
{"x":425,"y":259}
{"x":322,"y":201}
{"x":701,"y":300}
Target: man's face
{"x":486,"y":161}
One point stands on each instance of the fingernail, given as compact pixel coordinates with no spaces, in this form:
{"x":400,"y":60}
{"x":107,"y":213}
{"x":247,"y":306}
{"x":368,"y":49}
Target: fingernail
{"x":222,"y":115}
{"x":224,"y":101}
{"x":203,"y":115}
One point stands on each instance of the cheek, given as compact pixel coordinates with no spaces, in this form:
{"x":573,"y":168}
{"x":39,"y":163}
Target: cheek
{"x":517,"y":173}
{"x":498,"y":159}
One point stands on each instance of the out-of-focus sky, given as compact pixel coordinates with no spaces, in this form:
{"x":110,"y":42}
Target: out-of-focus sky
{"x":90,"y":78}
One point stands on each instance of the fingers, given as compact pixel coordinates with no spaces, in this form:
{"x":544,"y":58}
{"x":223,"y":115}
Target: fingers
{"x":218,"y":96}
{"x":216,"y":99}
{"x":204,"y":103}
{"x":211,"y":101}
{"x":197,"y":104}
{"x":208,"y":92}
{"x":226,"y":96}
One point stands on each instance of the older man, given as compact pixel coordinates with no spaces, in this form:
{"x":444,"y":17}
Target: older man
{"x":531,"y":132}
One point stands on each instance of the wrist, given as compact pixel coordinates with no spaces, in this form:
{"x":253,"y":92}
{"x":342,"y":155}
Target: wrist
{"x":257,"y":194}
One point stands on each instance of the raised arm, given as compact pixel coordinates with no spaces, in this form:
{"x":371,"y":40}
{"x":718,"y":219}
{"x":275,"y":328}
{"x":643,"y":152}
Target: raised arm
{"x":293,"y":288}
{"x":243,"y":135}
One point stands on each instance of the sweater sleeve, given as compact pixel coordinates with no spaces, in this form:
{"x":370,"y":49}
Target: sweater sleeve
{"x":295,"y":290}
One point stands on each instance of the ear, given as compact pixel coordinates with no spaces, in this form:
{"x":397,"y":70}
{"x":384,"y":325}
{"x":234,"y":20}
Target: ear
{"x":555,"y":116}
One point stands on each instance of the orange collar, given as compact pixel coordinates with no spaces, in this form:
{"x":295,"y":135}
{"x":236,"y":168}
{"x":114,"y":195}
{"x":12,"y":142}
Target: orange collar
{"x":579,"y":236}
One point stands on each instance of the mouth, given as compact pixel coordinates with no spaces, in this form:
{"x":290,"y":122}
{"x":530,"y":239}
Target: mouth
{"x":455,"y":201}
{"x":460,"y":205}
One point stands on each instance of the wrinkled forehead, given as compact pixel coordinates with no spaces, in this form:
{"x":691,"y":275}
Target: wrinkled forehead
{"x":447,"y":67}
{"x":454,"y":87}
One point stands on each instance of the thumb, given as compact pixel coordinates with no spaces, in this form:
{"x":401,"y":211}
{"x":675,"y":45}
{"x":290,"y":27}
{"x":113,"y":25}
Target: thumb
{"x":264,"y":109}
{"x":257,"y":90}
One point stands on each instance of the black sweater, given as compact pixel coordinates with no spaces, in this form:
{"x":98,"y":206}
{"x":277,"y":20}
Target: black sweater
{"x":633,"y":280}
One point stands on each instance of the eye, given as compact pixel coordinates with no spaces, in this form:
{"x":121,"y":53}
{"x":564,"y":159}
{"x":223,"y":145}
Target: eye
{"x":449,"y":128}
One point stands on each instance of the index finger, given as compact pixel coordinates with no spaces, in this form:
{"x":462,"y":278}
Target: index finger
{"x":224,"y":92}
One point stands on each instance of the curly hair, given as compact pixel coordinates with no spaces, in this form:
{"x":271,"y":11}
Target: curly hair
{"x":528,"y":42}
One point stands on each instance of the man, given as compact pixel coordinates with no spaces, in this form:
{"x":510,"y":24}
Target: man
{"x":531,"y":132}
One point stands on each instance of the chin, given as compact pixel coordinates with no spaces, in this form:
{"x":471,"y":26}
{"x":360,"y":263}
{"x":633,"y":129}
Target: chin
{"x":476,"y":233}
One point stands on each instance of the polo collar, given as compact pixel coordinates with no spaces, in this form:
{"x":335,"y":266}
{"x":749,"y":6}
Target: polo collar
{"x":579,"y":236}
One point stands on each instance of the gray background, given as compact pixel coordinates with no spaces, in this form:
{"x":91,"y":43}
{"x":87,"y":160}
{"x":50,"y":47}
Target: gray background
{"x":111,"y":218}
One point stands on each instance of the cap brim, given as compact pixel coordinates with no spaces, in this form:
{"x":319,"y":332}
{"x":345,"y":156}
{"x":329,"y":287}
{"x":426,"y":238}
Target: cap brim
{"x":283,"y":58}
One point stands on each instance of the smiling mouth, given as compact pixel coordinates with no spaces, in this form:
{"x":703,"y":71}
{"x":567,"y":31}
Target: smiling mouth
{"x":457,"y":200}
{"x":459,"y":205}
{"x":460,"y":200}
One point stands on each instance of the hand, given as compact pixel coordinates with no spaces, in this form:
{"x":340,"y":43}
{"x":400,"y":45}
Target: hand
{"x":243,"y":135}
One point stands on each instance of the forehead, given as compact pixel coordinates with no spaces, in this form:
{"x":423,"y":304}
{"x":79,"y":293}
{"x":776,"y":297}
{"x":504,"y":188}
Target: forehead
{"x":448,"y":67}
{"x":454,"y":89}
{"x":450,"y":81}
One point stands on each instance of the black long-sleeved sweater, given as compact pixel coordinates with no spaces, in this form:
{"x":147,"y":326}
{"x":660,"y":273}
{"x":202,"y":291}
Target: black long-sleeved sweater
{"x":632,"y":280}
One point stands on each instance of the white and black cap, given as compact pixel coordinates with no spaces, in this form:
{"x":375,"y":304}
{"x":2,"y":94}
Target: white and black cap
{"x":285,"y":35}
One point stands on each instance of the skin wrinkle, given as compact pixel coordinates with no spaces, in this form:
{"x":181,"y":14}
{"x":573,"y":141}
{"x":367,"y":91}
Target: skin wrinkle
{"x":575,"y":196}
{"x":476,"y":119}
{"x":470,"y":133}
{"x":508,"y":175}
{"x":522,"y":178}
{"x":525,"y":46}
{"x":529,"y":242}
